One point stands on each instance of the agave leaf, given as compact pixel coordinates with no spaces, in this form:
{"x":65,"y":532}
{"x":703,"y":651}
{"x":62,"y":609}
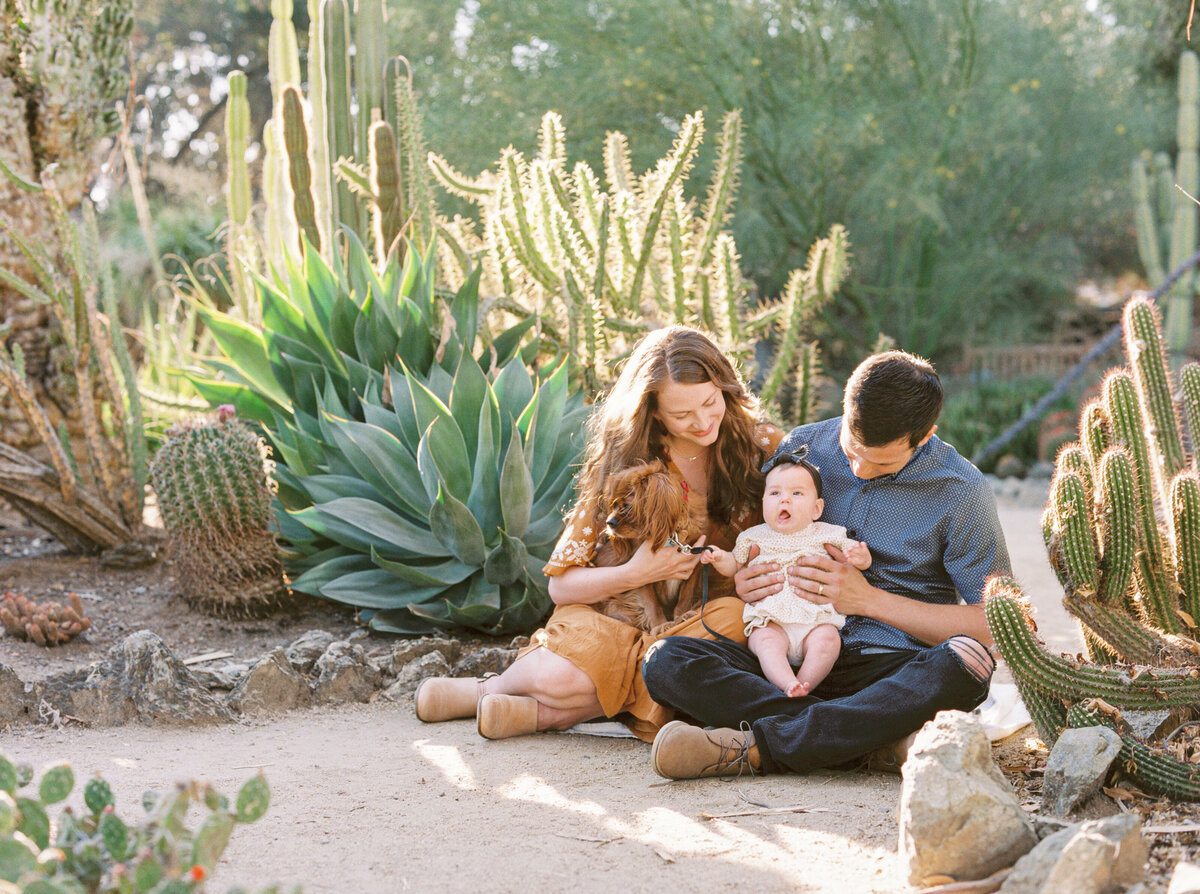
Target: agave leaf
{"x":468,"y":391}
{"x":445,"y":573}
{"x":506,"y":563}
{"x":342,"y":319}
{"x":248,"y":348}
{"x":376,"y":414}
{"x":516,"y":487}
{"x":484,"y":500}
{"x":321,"y":293}
{"x":402,"y":621}
{"x":366,"y":523}
{"x":402,"y":406}
{"x":247,"y":404}
{"x":380,"y":459}
{"x":328,"y":571}
{"x":415,"y":343}
{"x":465,"y":310}
{"x":325,"y":488}
{"x":514,"y":389}
{"x":377,"y":589}
{"x":506,"y":344}
{"x":374,"y":338}
{"x":440,"y":382}
{"x":542,"y":437}
{"x":453,"y":525}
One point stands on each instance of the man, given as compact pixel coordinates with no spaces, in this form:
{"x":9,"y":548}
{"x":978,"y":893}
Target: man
{"x":914,"y":644}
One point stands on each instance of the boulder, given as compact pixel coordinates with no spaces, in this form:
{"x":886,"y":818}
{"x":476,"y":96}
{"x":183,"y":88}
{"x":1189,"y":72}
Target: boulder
{"x":13,"y":702}
{"x":1077,"y":767}
{"x":959,"y":816}
{"x":140,"y":680}
{"x":431,"y":664}
{"x":307,"y":648}
{"x":344,"y":675}
{"x":485,"y":661}
{"x":1106,"y":856}
{"x":1185,"y":879}
{"x":271,"y":685}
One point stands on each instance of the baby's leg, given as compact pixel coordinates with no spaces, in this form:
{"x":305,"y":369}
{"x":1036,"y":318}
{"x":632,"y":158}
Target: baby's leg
{"x":770,"y":645}
{"x":821,"y":648}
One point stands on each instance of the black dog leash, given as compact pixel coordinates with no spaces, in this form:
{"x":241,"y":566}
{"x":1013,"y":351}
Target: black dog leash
{"x":695,"y":551}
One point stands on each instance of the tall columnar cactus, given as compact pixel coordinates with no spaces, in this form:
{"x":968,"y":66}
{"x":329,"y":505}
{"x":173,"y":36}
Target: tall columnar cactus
{"x":350,"y":152}
{"x":601,"y":266}
{"x":1122,"y":527}
{"x":1166,"y":216}
{"x":212,"y":478}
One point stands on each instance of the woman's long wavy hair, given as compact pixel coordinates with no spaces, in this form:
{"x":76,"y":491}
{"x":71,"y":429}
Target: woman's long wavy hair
{"x":624,"y":431}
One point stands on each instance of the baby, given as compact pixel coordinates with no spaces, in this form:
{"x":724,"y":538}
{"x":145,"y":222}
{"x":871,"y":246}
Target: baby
{"x":785,"y":629}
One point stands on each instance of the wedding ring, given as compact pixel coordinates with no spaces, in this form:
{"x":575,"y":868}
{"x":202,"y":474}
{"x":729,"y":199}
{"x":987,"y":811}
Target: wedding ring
{"x":821,"y":590}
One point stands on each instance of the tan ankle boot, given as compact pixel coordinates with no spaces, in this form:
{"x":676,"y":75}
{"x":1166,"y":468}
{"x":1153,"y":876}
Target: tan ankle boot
{"x":504,"y":716}
{"x":446,"y":698}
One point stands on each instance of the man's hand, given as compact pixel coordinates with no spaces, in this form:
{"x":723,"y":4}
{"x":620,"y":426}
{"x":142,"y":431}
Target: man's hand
{"x":755,"y":582}
{"x":831,"y":580}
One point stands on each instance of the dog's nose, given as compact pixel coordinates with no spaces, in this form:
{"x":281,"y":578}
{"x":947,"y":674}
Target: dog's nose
{"x":612,"y":521}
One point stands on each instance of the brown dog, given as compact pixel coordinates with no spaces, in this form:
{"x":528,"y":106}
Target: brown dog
{"x":644,"y":503}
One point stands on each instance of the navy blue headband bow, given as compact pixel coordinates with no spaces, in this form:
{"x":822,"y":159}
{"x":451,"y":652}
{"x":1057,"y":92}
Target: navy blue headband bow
{"x":797,"y":457}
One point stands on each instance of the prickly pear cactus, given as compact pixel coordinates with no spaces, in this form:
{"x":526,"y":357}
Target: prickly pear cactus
{"x":1122,"y":527}
{"x":96,"y":851}
{"x":214,"y":491}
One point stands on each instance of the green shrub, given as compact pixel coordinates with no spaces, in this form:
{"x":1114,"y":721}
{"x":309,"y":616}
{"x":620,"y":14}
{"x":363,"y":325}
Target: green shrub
{"x":977,"y":412}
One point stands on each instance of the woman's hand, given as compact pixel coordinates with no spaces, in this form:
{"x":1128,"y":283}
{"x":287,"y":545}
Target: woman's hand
{"x":831,"y":580}
{"x":755,"y":582}
{"x":669,"y":563}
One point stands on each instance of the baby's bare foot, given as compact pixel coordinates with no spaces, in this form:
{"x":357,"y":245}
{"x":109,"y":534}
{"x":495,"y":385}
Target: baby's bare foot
{"x":798,"y":690}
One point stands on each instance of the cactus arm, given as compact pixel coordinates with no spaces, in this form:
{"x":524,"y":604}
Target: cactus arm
{"x":1095,"y":433}
{"x":617,"y":168}
{"x":679,"y":284}
{"x":671,"y":170}
{"x":1120,"y":400}
{"x":387,"y":209}
{"x":370,"y":50}
{"x":1069,"y":679}
{"x":1143,"y":344}
{"x":1149,"y":243}
{"x":1185,"y":514}
{"x":1178,"y":329}
{"x":723,"y":187}
{"x":1153,"y":771}
{"x":318,"y":145}
{"x":335,"y":28}
{"x":295,"y":137}
{"x":1073,"y":523}
{"x":1189,"y":385}
{"x":808,"y":370}
{"x":1116,"y":512}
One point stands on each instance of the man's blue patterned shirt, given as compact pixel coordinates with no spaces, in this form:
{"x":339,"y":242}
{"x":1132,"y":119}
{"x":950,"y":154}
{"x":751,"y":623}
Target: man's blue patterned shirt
{"x":932,"y":527}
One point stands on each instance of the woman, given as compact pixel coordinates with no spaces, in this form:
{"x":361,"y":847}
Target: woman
{"x":678,"y":399}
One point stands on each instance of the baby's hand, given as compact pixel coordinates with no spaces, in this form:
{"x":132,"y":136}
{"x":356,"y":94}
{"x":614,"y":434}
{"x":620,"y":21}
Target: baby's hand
{"x":720,"y":559}
{"x":858,"y":555}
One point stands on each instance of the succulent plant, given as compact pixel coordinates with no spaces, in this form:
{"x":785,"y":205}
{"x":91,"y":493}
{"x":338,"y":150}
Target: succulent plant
{"x":97,"y":850}
{"x":418,"y":482}
{"x":45,"y":623}
{"x":1122,"y":527}
{"x":213,"y":482}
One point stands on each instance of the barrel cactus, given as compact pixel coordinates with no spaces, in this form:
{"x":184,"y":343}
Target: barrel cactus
{"x":1122,"y":527}
{"x":214,"y":487}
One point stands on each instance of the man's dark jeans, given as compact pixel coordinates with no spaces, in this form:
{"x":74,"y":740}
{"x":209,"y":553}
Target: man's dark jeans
{"x":866,"y":702}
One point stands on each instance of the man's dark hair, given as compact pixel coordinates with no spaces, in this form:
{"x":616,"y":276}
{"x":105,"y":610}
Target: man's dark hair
{"x":890,"y":396}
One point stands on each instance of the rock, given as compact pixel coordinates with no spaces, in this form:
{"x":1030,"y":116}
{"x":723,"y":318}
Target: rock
{"x":343,"y":674}
{"x":1077,"y":767}
{"x":404,"y":652}
{"x":221,"y":678}
{"x":13,"y":703}
{"x":307,"y":648}
{"x":959,"y":816}
{"x":1097,"y":857}
{"x":485,"y":661}
{"x":1185,"y":879}
{"x":1041,"y":471}
{"x":431,"y":664}
{"x":271,"y":685}
{"x":140,"y":680}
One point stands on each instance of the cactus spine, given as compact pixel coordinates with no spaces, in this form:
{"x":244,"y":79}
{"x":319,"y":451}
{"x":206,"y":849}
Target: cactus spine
{"x":214,"y":490}
{"x":1160,"y":207}
{"x":1123,"y":533}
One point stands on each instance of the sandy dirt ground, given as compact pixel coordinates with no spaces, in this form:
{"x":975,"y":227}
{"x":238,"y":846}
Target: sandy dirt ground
{"x":368,"y":799}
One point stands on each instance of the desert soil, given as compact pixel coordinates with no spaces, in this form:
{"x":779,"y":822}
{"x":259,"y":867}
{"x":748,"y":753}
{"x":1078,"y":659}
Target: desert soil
{"x":365,"y":798}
